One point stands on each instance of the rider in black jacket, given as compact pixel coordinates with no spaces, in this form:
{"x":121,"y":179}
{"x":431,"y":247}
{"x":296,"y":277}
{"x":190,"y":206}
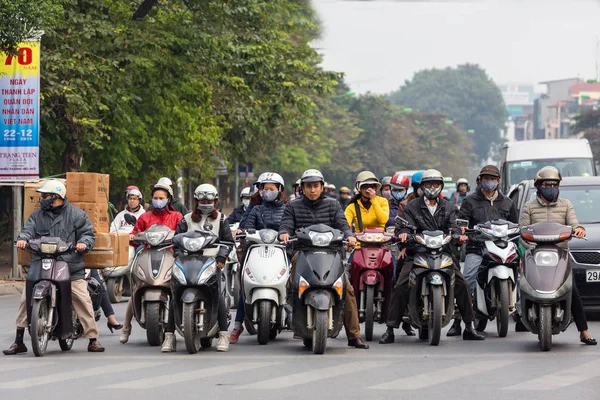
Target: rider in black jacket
{"x":428,"y":213}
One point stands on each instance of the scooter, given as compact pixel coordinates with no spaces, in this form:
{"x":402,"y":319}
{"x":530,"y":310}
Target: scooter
{"x":431,"y":282}
{"x":496,"y":290}
{"x":49,"y":298}
{"x":196,"y":288}
{"x":371,"y":275}
{"x":117,"y":279}
{"x":546,"y":281}
{"x":264,"y":280}
{"x":319,"y":286}
{"x":151,"y":272}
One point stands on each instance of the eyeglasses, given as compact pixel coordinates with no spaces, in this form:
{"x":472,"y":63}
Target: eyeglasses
{"x":368,"y":186}
{"x":550,"y":184}
{"x":205,"y":196}
{"x":46,"y":195}
{"x":429,"y":185}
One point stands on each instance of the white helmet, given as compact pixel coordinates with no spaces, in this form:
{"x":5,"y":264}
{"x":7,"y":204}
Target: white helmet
{"x":245,"y":192}
{"x":206,"y":191}
{"x":54,"y":186}
{"x":312,"y":175}
{"x":329,"y":186}
{"x":164,"y":181}
{"x":273,"y":177}
{"x":135,"y":192}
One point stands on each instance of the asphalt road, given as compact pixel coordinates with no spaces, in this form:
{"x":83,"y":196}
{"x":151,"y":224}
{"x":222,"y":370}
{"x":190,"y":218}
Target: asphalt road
{"x":284,"y":369}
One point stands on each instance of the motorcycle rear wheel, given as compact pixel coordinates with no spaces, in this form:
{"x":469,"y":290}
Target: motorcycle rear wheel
{"x":39,"y":321}
{"x":115,"y":288}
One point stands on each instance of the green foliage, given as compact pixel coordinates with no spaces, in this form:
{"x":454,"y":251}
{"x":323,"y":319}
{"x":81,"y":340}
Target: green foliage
{"x":21,"y":19}
{"x":466,"y":94}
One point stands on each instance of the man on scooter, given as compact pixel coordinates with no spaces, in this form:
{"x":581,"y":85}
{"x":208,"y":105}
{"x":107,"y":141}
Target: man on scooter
{"x":548,"y":207}
{"x":428,"y":213}
{"x":314,"y":208}
{"x":486,"y":204}
{"x":59,"y":218}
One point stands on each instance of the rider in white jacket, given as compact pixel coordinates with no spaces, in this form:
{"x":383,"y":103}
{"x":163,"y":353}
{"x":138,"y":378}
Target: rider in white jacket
{"x":134,"y":208}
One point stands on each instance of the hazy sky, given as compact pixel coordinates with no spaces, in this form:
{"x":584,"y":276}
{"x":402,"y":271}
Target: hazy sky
{"x":379,"y":44}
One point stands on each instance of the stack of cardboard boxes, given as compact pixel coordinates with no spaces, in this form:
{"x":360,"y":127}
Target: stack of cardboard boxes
{"x":89,"y":192}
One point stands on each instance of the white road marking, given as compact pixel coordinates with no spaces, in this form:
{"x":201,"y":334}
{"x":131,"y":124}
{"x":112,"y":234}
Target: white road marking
{"x":314,"y":375}
{"x":185,"y":376}
{"x":561,"y":379}
{"x":75,"y":374}
{"x":12,"y":366}
{"x":444,"y":375}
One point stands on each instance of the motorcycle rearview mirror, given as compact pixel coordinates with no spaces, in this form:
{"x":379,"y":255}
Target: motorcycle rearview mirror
{"x":130,"y":219}
{"x":462,"y":223}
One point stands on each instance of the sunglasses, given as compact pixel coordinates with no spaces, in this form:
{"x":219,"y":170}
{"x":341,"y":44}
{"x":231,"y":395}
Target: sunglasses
{"x":205,"y":196}
{"x":550,"y":184}
{"x":368,"y":186}
{"x":46,"y":195}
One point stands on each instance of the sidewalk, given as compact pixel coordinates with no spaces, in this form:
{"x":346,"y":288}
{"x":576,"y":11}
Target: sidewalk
{"x":9,"y":287}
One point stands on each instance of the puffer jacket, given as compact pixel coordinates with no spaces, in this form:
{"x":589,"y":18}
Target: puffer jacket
{"x":266,"y":215}
{"x":537,"y":210}
{"x":302,"y":212}
{"x":236,"y":215}
{"x":71,"y":224}
{"x":396,"y":207}
{"x":376,"y":216}
{"x":165,"y":217}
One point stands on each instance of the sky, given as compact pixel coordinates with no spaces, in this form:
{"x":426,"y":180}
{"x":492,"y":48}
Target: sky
{"x":380,"y":44}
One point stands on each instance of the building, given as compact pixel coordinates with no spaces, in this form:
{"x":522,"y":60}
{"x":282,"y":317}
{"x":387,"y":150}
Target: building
{"x":549,"y":119}
{"x":518,"y":98}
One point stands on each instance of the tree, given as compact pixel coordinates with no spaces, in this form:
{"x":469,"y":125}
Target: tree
{"x":466,"y":94}
{"x":588,"y":123}
{"x":21,"y":19}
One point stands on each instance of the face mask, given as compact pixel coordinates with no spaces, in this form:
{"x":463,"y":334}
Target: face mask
{"x":205,"y":208}
{"x":387,"y":194}
{"x":159,"y":204}
{"x":489,"y":185}
{"x":399,"y":196}
{"x":47,"y":204}
{"x":269,"y":196}
{"x":432,"y":193}
{"x":246,"y":203}
{"x":550,"y":194}
{"x":419,"y":192}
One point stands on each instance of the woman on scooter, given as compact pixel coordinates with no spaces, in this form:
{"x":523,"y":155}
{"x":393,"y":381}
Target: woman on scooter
{"x":264,"y":216}
{"x":205,"y":217}
{"x":162,"y":213}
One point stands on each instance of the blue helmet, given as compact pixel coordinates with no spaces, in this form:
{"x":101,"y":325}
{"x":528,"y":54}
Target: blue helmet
{"x":416,"y":178}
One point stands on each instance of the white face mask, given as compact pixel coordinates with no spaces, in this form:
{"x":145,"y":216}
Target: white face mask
{"x":246,"y":203}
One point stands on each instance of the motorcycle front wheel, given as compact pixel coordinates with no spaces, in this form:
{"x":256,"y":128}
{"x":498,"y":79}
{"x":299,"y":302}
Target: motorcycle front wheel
{"x":545,"y":332}
{"x":435,"y":315}
{"x":503,"y":303}
{"x":264,"y":321}
{"x":190,"y":328}
{"x":39,"y":323}
{"x":369,"y":312}
{"x":154,"y":326}
{"x":321,"y":325}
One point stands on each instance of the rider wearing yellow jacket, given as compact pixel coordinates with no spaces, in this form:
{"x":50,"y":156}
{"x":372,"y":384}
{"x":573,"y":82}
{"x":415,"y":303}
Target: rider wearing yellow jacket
{"x":373,"y":210}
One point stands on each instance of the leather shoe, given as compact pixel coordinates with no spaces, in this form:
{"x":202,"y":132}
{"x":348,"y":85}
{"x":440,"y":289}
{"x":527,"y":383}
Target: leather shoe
{"x":407,"y":329}
{"x":95,"y":347}
{"x":357,"y":343}
{"x":15,"y":349}
{"x":455,"y":330}
{"x":387,"y":337}
{"x":471,"y":334}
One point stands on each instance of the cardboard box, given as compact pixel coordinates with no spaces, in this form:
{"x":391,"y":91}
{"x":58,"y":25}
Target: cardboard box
{"x":104,"y":241}
{"x":23,"y":257}
{"x":87,"y":187}
{"x":31,"y":198}
{"x":120,"y":243}
{"x":98,"y":259}
{"x":98,"y":213}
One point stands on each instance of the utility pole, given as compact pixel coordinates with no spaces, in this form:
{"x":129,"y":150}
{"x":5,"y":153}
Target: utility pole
{"x":597,"y":59}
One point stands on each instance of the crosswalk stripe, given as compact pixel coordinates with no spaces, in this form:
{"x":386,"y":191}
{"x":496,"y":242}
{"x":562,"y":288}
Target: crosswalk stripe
{"x":23,"y":365}
{"x":83,"y":373}
{"x":561,"y":379}
{"x":444,"y":375}
{"x":166,"y":380}
{"x":314,"y":375}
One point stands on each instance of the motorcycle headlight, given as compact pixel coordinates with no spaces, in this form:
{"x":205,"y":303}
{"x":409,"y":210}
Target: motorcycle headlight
{"x":139,"y":271}
{"x":546,"y":258}
{"x":434,"y":242}
{"x":48,"y":248}
{"x":500,"y":231}
{"x":207,"y":273}
{"x":156,"y":238}
{"x":193,"y":244}
{"x":179,"y":275}
{"x":320,"y":239}
{"x":267,"y":236}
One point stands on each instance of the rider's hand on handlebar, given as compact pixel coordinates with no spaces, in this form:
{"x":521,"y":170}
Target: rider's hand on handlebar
{"x":81,"y":247}
{"x":403,"y":237}
{"x":131,"y":237}
{"x":237,"y":232}
{"x":462,"y":239}
{"x":463,"y":229}
{"x":351,"y":241}
{"x":579,"y":232}
{"x":21,"y":244}
{"x":284,"y":237}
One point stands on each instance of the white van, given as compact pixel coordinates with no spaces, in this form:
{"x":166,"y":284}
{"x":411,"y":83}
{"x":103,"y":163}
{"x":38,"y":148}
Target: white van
{"x":521,"y":160}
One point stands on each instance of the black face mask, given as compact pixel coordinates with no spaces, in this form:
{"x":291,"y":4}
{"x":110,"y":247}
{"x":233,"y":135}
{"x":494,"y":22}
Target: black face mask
{"x":46,"y":204}
{"x":550,"y":193}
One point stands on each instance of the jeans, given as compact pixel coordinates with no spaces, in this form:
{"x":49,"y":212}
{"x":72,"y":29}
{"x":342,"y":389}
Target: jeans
{"x":104,"y":300}
{"x":240,"y":311}
{"x":471,"y":268}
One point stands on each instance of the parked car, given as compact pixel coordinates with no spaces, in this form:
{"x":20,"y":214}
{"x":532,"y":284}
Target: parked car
{"x":584,"y":193}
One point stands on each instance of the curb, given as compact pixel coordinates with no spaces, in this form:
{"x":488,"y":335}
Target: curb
{"x":9,"y":288}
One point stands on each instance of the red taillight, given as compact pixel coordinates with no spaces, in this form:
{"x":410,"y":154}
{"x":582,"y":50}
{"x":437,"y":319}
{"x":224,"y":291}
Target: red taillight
{"x":512,"y":257}
{"x":495,"y":257}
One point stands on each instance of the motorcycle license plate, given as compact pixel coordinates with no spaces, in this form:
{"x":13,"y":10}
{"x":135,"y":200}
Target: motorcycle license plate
{"x":592,"y":275}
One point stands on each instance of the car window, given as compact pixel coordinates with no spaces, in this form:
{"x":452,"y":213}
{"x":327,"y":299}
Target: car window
{"x":585,"y":200}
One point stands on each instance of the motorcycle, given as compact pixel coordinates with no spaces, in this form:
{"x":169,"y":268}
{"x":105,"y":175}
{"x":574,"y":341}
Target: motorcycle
{"x":264,"y":280}
{"x":196,"y":288}
{"x":496,"y":290}
{"x":431,"y":282}
{"x":546,"y":281}
{"x":371,"y":275}
{"x":319,"y":286}
{"x":151,"y":271}
{"x":49,"y":298}
{"x":117,"y":279}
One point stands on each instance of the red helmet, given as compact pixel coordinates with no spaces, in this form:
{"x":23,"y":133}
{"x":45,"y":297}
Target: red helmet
{"x":399,"y":181}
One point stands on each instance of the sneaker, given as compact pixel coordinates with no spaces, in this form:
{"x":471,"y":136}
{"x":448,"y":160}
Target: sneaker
{"x":235,"y":335}
{"x":169,"y":344}
{"x":223,"y":344}
{"x":124,"y":338}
